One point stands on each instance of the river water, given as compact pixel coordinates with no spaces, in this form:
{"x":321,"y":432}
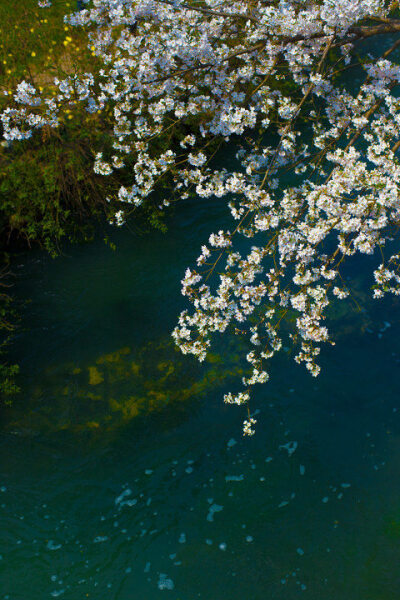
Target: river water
{"x":124,"y":477}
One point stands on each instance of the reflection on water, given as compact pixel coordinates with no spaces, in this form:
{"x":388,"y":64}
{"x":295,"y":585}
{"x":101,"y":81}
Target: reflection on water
{"x":123,"y":476}
{"x":104,"y":396}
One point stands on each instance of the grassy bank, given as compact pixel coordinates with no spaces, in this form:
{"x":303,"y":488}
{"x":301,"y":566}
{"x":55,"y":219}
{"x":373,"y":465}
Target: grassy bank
{"x":36,"y":44}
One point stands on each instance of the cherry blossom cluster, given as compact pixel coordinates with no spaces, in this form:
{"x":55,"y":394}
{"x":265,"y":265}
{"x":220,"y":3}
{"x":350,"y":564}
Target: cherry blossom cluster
{"x":316,"y":177}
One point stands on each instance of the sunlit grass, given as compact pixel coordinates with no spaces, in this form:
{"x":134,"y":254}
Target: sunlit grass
{"x":36,"y":44}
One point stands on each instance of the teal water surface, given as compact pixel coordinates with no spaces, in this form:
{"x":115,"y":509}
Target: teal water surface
{"x":124,"y":477}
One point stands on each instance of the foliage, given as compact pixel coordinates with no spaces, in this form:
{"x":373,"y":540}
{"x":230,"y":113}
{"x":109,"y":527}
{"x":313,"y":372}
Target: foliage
{"x":316,"y":121}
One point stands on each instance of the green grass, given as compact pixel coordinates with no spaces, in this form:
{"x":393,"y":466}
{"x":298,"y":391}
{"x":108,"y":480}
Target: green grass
{"x":36,"y":44}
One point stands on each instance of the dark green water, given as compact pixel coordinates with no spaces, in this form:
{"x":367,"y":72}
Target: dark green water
{"x":123,"y":475}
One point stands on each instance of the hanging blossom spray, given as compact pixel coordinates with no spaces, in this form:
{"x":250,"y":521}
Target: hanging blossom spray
{"x":204,"y":74}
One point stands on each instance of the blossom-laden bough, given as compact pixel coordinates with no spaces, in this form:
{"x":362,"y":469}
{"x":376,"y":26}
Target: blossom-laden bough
{"x":179,"y":79}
